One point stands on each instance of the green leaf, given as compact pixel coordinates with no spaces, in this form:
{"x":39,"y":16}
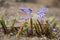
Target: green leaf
{"x":3,"y":23}
{"x":12,"y":26}
{"x":37,"y":29}
{"x":54,"y":25}
{"x":26,"y":28}
{"x":31,"y":26}
{"x":21,"y":31}
{"x":40,"y":25}
{"x":52,"y":20}
{"x":48,"y":30}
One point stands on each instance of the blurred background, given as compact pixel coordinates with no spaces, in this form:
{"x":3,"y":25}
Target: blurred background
{"x":10,"y":8}
{"x":55,"y":3}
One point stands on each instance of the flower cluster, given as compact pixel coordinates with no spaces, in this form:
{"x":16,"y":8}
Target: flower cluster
{"x":41,"y":14}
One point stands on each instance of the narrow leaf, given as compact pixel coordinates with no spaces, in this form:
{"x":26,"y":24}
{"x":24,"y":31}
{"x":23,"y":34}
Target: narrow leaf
{"x":12,"y":26}
{"x":54,"y":25}
{"x":51,"y":19}
{"x":31,"y":25}
{"x":21,"y":31}
{"x":3,"y":23}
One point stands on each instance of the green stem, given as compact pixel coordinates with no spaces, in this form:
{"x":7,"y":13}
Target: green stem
{"x":31,"y":26}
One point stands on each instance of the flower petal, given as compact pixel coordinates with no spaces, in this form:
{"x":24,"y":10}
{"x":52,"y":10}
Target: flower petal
{"x":29,"y":30}
{"x":42,"y":10}
{"x":26,"y":10}
{"x":41,"y":18}
{"x":42,"y":15}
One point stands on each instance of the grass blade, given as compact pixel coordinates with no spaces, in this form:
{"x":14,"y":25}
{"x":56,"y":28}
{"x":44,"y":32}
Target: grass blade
{"x":12,"y":26}
{"x":48,"y":30}
{"x":40,"y":25}
{"x":37,"y":29}
{"x":31,"y":26}
{"x":54,"y":24}
{"x":3,"y":23}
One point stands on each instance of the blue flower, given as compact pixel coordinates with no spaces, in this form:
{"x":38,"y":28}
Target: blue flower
{"x":26,"y":10}
{"x":29,"y":30}
{"x":40,"y":18}
{"x":41,"y":13}
{"x":53,"y":29}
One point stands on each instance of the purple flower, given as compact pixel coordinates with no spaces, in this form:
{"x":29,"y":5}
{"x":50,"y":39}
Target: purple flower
{"x":26,"y":10}
{"x":40,"y":18}
{"x":53,"y":29}
{"x":41,"y":14}
{"x":42,"y":11}
{"x":28,"y":30}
